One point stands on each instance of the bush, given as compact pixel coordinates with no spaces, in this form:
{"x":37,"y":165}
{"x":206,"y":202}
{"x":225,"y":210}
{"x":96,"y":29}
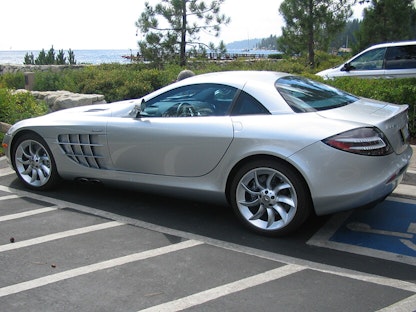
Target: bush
{"x":12,"y":81}
{"x":18,"y":106}
{"x":275,"y":56}
{"x":115,"y":81}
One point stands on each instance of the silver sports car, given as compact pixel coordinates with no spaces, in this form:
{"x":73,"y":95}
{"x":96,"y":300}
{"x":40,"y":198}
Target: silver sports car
{"x":274,"y":146}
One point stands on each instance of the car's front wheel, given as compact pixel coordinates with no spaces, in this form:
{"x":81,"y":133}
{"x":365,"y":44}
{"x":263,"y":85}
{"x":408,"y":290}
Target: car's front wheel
{"x":34,"y":163}
{"x":270,"y":197}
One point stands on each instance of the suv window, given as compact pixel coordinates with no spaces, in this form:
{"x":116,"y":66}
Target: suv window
{"x":371,"y":60}
{"x":401,"y":57}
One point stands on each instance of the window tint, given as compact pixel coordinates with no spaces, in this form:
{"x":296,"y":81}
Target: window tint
{"x":304,"y":95}
{"x":401,"y":57}
{"x":248,"y":105}
{"x":191,"y":101}
{"x":371,"y":60}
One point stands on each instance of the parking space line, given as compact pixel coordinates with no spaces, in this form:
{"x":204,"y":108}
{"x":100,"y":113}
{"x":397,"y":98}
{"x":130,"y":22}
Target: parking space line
{"x":368,"y":278}
{"x":54,"y":278}
{"x":223,"y":290}
{"x":27,"y":213}
{"x":6,"y":171}
{"x":404,"y":305}
{"x":7,"y":197}
{"x":6,"y":189}
{"x":55,"y":236}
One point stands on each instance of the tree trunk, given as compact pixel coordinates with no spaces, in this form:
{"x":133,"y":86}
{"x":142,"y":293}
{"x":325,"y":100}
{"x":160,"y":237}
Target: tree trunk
{"x":311,"y":38}
{"x":183,"y":35}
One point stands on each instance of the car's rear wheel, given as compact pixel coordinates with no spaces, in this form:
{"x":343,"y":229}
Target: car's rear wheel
{"x":270,"y":197}
{"x":34,"y":163}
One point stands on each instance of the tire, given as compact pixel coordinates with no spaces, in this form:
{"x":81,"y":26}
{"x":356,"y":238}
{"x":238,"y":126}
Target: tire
{"x":270,"y":197}
{"x":34,"y":163}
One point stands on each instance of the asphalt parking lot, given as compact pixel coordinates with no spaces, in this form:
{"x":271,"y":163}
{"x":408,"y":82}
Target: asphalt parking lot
{"x":63,"y":252}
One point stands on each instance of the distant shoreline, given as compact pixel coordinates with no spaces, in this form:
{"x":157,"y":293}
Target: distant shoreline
{"x":98,"y":56}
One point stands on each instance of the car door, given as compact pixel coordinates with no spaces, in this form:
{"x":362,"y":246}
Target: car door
{"x":164,"y":140}
{"x":367,"y":65}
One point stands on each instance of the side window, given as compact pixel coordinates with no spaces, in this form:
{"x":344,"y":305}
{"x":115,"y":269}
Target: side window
{"x":248,"y":105}
{"x":191,"y":101}
{"x":371,"y":60}
{"x":402,"y":57}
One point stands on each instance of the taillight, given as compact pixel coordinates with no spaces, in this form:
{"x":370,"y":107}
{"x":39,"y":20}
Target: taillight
{"x":363,"y":141}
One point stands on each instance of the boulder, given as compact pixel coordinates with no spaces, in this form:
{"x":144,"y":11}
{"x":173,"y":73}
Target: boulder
{"x":57,"y":100}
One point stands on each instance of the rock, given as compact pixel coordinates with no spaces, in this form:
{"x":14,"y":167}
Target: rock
{"x":15,"y":68}
{"x":4,"y":127}
{"x":57,"y":100}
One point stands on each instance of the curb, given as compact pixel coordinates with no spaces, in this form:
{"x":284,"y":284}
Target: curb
{"x":405,"y":191}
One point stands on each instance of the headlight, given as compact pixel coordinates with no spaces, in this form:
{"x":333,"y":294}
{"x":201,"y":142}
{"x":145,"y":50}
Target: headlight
{"x":363,"y":141}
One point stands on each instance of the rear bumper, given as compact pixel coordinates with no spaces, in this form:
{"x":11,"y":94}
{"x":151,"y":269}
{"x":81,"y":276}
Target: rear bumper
{"x":350,"y":181}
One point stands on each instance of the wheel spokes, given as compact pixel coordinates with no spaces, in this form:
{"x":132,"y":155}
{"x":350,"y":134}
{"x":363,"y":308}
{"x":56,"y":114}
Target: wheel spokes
{"x":271,"y":217}
{"x":269,"y":181}
{"x":256,"y":180}
{"x":253,"y":203}
{"x":286,"y":200}
{"x":250,"y":191}
{"x":282,"y":213}
{"x":267,"y":199}
{"x":281,"y":187}
{"x":33,"y":163}
{"x":42,"y":176}
{"x":34,"y":175}
{"x":259,"y":213}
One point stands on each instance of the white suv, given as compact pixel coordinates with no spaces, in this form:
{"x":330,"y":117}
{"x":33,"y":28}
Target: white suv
{"x":387,"y":60}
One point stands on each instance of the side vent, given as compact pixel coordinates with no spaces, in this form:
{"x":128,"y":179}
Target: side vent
{"x":84,"y":149}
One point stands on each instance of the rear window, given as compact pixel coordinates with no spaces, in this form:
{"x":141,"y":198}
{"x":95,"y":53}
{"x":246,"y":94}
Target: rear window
{"x":304,"y":95}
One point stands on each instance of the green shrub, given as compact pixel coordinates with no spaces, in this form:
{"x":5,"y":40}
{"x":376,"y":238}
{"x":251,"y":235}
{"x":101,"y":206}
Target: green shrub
{"x":275,"y":56}
{"x":18,"y":106}
{"x":115,"y":81}
{"x":12,"y":81}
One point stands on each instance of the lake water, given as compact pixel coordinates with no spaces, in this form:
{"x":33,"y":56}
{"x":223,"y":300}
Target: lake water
{"x":96,"y":56}
{"x":81,"y":56}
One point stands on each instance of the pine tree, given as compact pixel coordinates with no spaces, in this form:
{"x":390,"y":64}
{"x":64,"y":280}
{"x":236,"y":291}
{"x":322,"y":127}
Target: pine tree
{"x":172,"y":25}
{"x":310,"y":24}
{"x":387,"y":20}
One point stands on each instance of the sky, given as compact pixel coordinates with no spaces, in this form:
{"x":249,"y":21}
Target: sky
{"x":27,"y":25}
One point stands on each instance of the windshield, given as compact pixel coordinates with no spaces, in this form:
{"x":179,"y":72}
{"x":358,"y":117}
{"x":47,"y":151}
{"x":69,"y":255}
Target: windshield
{"x":304,"y":95}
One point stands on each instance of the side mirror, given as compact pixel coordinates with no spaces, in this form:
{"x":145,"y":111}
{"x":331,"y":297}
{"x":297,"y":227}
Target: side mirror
{"x":347,"y":67}
{"x":142,"y":105}
{"x":137,"y":110}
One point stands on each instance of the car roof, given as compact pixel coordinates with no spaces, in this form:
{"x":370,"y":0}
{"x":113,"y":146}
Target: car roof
{"x":392,"y":44}
{"x":238,"y":77}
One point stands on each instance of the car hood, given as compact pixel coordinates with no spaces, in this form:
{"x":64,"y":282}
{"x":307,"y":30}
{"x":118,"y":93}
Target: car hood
{"x":116,"y":109}
{"x":330,"y":72}
{"x":392,"y":119}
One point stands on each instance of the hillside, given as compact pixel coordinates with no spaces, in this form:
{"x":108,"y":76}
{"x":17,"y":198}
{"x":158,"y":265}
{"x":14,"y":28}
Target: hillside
{"x":243,"y":44}
{"x":269,"y":43}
